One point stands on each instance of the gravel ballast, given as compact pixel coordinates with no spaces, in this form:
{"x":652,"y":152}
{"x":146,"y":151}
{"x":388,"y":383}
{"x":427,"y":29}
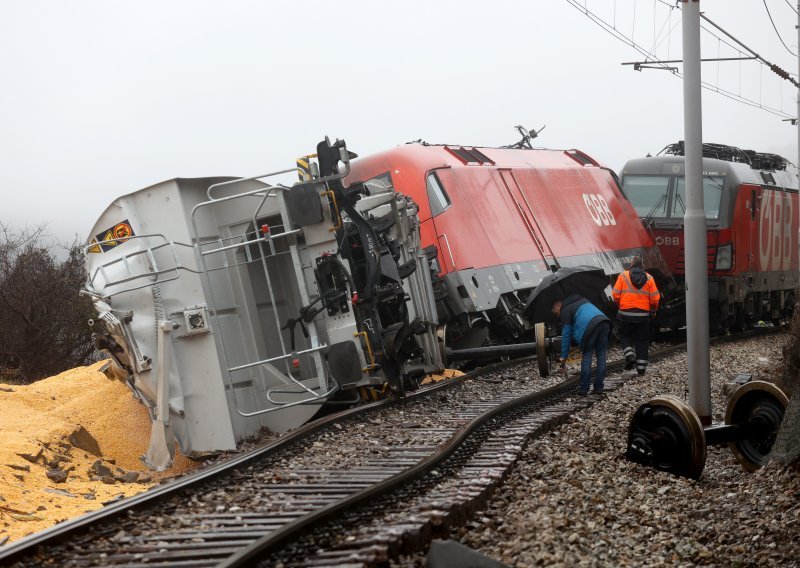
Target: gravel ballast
{"x":574,"y":500}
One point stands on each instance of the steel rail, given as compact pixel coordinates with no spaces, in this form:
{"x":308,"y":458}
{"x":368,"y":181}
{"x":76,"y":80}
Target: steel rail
{"x":274,"y":540}
{"x":115,"y":508}
{"x":279,"y":538}
{"x":59,"y":532}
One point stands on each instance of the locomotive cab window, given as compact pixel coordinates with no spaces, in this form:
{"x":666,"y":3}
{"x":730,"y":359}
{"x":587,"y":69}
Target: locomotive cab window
{"x":712,"y":196}
{"x":664,"y":197}
{"x":437,"y":196}
{"x":647,"y":194}
{"x":379,"y":184}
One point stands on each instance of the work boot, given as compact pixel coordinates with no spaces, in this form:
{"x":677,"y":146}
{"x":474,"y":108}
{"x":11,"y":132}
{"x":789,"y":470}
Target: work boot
{"x":630,"y":358}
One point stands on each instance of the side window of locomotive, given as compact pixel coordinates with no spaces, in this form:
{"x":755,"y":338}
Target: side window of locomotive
{"x":379,"y":184}
{"x":647,"y":194}
{"x":712,"y":196}
{"x":437,"y":196}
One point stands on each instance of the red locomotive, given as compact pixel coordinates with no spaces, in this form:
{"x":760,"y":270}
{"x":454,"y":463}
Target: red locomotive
{"x":751,"y":205}
{"x":497,"y":220}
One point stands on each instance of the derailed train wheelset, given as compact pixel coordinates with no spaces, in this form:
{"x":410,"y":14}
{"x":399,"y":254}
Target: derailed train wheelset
{"x":665,"y":433}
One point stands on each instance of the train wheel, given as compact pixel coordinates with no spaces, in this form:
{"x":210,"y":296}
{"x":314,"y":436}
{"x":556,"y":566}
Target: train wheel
{"x":666,"y":434}
{"x":758,"y":408}
{"x":542,"y":357}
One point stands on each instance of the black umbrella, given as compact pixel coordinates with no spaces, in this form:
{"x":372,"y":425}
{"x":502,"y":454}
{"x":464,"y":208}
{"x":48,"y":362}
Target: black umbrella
{"x":586,"y":281}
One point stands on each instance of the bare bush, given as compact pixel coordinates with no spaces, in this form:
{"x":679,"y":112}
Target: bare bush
{"x":43,"y":319}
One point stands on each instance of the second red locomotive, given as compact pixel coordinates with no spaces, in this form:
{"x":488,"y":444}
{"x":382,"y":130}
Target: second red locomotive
{"x":751,"y":204}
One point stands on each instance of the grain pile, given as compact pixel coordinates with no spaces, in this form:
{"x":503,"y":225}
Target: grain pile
{"x":70,"y":443}
{"x":443,"y":376}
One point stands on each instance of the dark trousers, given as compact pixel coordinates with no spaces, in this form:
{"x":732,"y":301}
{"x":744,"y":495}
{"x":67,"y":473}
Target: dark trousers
{"x":597,"y":343}
{"x":635,"y":338}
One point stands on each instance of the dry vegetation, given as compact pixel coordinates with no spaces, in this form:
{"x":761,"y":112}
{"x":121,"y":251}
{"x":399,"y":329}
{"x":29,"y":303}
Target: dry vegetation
{"x":43,"y":319}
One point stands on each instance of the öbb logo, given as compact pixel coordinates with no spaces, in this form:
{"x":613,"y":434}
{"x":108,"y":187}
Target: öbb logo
{"x":776,"y":238}
{"x":669,"y":241}
{"x":598,"y":209}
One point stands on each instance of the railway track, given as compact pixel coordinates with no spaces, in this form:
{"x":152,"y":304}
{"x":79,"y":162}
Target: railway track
{"x":426,"y":461}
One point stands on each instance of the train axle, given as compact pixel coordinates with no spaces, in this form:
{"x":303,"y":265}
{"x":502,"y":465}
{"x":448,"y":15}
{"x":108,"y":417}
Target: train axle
{"x":666,"y":433}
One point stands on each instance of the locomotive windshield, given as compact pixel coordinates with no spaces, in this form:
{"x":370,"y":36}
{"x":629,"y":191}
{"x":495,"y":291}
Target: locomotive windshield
{"x":712,"y":195}
{"x":648,"y":194}
{"x":664,"y":197}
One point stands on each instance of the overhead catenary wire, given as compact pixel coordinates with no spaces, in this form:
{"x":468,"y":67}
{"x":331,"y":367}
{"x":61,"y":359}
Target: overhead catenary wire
{"x":669,"y":28}
{"x":774,"y":27}
{"x":654,"y":62}
{"x":732,"y":46}
{"x":609,"y":28}
{"x":774,"y":68}
{"x":676,"y":4}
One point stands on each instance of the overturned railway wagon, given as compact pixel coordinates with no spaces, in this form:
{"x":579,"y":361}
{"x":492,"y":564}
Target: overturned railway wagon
{"x":230,"y":304}
{"x":233,"y":304}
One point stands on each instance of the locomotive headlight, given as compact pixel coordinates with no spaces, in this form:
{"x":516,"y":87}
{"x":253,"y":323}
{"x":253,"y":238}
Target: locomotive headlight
{"x":725,"y":257}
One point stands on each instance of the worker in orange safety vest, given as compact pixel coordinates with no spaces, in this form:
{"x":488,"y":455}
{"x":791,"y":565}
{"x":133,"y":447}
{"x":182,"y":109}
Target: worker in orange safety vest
{"x":637,"y":297}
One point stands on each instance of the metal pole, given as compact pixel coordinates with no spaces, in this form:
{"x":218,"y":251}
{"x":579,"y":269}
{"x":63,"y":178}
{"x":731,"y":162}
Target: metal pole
{"x":798,"y":94}
{"x":695,"y":219}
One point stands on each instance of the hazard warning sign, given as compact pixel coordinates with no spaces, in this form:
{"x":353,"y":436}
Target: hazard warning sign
{"x":112,"y":237}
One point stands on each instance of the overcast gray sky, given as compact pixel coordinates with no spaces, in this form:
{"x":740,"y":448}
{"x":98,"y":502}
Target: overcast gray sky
{"x":101,"y":98}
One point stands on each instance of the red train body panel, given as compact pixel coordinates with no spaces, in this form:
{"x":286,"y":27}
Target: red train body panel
{"x":752,"y":239}
{"x":501,"y":219}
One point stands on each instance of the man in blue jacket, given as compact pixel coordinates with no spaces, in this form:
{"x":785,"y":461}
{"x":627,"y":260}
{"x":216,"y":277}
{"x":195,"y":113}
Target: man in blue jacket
{"x":590,"y":328}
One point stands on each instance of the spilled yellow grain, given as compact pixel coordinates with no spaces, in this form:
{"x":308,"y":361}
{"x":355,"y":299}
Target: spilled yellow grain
{"x":443,"y":376}
{"x":40,"y":417}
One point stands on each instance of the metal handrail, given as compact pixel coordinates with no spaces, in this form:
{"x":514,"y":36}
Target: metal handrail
{"x":271,"y":174}
{"x":312,"y":399}
{"x":278,"y":358}
{"x":245,"y":243}
{"x":263,"y":193}
{"x":124,"y":260}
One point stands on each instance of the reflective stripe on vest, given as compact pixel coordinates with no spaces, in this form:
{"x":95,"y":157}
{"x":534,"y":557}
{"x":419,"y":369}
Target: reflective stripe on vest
{"x":634,"y":314}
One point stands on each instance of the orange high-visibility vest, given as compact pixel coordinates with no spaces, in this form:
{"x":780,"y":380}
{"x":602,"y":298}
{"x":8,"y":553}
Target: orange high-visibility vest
{"x":635,"y":302}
